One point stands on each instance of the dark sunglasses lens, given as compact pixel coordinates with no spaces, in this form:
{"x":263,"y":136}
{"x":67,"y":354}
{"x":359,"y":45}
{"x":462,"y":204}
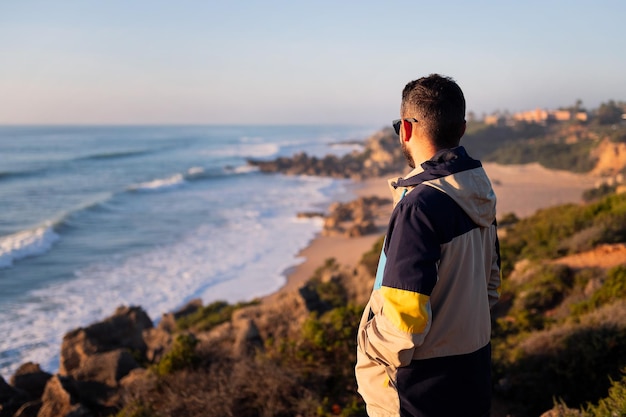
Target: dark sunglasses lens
{"x":396,"y":126}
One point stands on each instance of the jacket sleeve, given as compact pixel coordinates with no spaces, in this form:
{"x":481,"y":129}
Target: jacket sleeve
{"x":493,"y":285}
{"x":400,"y":308}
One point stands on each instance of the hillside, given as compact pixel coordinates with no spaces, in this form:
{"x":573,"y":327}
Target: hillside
{"x":577,"y":147}
{"x":560,"y":330}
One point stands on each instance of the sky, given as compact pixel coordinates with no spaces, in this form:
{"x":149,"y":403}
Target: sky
{"x":298,"y":62}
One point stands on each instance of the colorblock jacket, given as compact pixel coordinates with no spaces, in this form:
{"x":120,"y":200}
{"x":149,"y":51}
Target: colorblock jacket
{"x":423,"y":342}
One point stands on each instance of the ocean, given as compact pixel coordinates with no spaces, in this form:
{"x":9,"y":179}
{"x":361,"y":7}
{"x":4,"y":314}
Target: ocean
{"x":97,"y":217}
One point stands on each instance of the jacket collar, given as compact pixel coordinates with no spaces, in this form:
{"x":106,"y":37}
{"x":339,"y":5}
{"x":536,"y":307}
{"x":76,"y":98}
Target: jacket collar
{"x":443,"y":163}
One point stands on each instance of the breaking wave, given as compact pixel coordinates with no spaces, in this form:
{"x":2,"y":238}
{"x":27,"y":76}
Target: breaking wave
{"x":26,"y":243}
{"x":174,"y":181}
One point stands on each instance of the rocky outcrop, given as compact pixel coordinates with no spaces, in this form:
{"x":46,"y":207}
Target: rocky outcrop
{"x":30,"y":379}
{"x":247,"y":339}
{"x":381,"y":155}
{"x":61,"y":398}
{"x":94,"y":360}
{"x":106,"y":368}
{"x":355,"y":218}
{"x":611,"y":158}
{"x":123,"y":330}
{"x":9,"y":401}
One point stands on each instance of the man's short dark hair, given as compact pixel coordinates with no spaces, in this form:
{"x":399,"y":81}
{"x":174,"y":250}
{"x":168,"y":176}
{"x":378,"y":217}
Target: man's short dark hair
{"x":439,"y":105}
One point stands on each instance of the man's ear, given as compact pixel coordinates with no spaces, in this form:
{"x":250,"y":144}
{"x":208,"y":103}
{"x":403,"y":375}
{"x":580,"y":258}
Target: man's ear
{"x":408,"y":130}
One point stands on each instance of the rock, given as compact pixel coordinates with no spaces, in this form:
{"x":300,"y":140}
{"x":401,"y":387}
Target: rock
{"x":247,"y":338}
{"x":135,"y":377}
{"x":31,"y":379}
{"x":361,"y":229}
{"x":59,"y":398}
{"x":167,"y":323}
{"x":124,"y":329}
{"x":610,"y":157}
{"x":137,"y":384}
{"x":158,"y":341}
{"x":354,"y":218}
{"x":11,"y":399}
{"x":29,"y":409}
{"x":309,"y":214}
{"x":107,"y":368}
{"x":6,"y":391}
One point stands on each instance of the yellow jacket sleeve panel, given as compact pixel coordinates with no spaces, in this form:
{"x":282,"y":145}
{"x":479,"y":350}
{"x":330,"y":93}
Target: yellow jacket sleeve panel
{"x":386,"y":343}
{"x":407,"y":310}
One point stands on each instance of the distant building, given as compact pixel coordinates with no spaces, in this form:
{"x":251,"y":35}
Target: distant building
{"x":532,"y":116}
{"x":582,"y":116}
{"x":561,"y":115}
{"x":540,"y":116}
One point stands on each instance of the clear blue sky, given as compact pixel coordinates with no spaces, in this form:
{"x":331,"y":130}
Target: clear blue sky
{"x":341,"y":61}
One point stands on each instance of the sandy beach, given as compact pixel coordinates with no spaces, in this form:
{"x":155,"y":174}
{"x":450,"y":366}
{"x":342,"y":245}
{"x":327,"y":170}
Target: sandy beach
{"x":520,"y":189}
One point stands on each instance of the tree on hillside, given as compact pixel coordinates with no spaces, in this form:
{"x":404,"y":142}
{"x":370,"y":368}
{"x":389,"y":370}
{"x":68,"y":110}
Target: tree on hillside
{"x":609,"y":113}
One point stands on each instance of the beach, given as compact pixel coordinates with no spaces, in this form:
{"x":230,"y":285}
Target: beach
{"x":520,"y":189}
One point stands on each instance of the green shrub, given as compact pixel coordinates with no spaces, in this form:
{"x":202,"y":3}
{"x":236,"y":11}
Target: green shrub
{"x":136,"y":409}
{"x":612,"y":289}
{"x":182,"y":355}
{"x":323,"y":293}
{"x":598,"y":192}
{"x":572,"y":362}
{"x":613,"y":405}
{"x":546,"y":233}
{"x":508,"y":219}
{"x":548,"y":285}
{"x":322,"y":357}
{"x":214,"y":314}
{"x":546,"y":288}
{"x":574,"y":368}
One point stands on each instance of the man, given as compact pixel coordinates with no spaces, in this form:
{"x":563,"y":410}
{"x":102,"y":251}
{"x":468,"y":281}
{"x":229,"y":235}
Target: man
{"x":424,"y":340}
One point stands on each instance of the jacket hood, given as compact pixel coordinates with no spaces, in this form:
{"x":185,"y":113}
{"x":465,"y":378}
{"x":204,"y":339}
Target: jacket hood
{"x":455,"y":173}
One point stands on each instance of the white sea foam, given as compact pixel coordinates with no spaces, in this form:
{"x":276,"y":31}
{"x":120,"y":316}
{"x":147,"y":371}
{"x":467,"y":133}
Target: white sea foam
{"x":195,"y":171}
{"x":243,"y":169}
{"x":26,"y":243}
{"x":160,"y":184}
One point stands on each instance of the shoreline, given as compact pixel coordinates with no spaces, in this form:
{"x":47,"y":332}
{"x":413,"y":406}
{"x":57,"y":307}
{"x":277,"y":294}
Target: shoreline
{"x":520,"y":189}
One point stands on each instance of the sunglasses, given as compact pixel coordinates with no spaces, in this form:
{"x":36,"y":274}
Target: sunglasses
{"x":396,"y":124}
